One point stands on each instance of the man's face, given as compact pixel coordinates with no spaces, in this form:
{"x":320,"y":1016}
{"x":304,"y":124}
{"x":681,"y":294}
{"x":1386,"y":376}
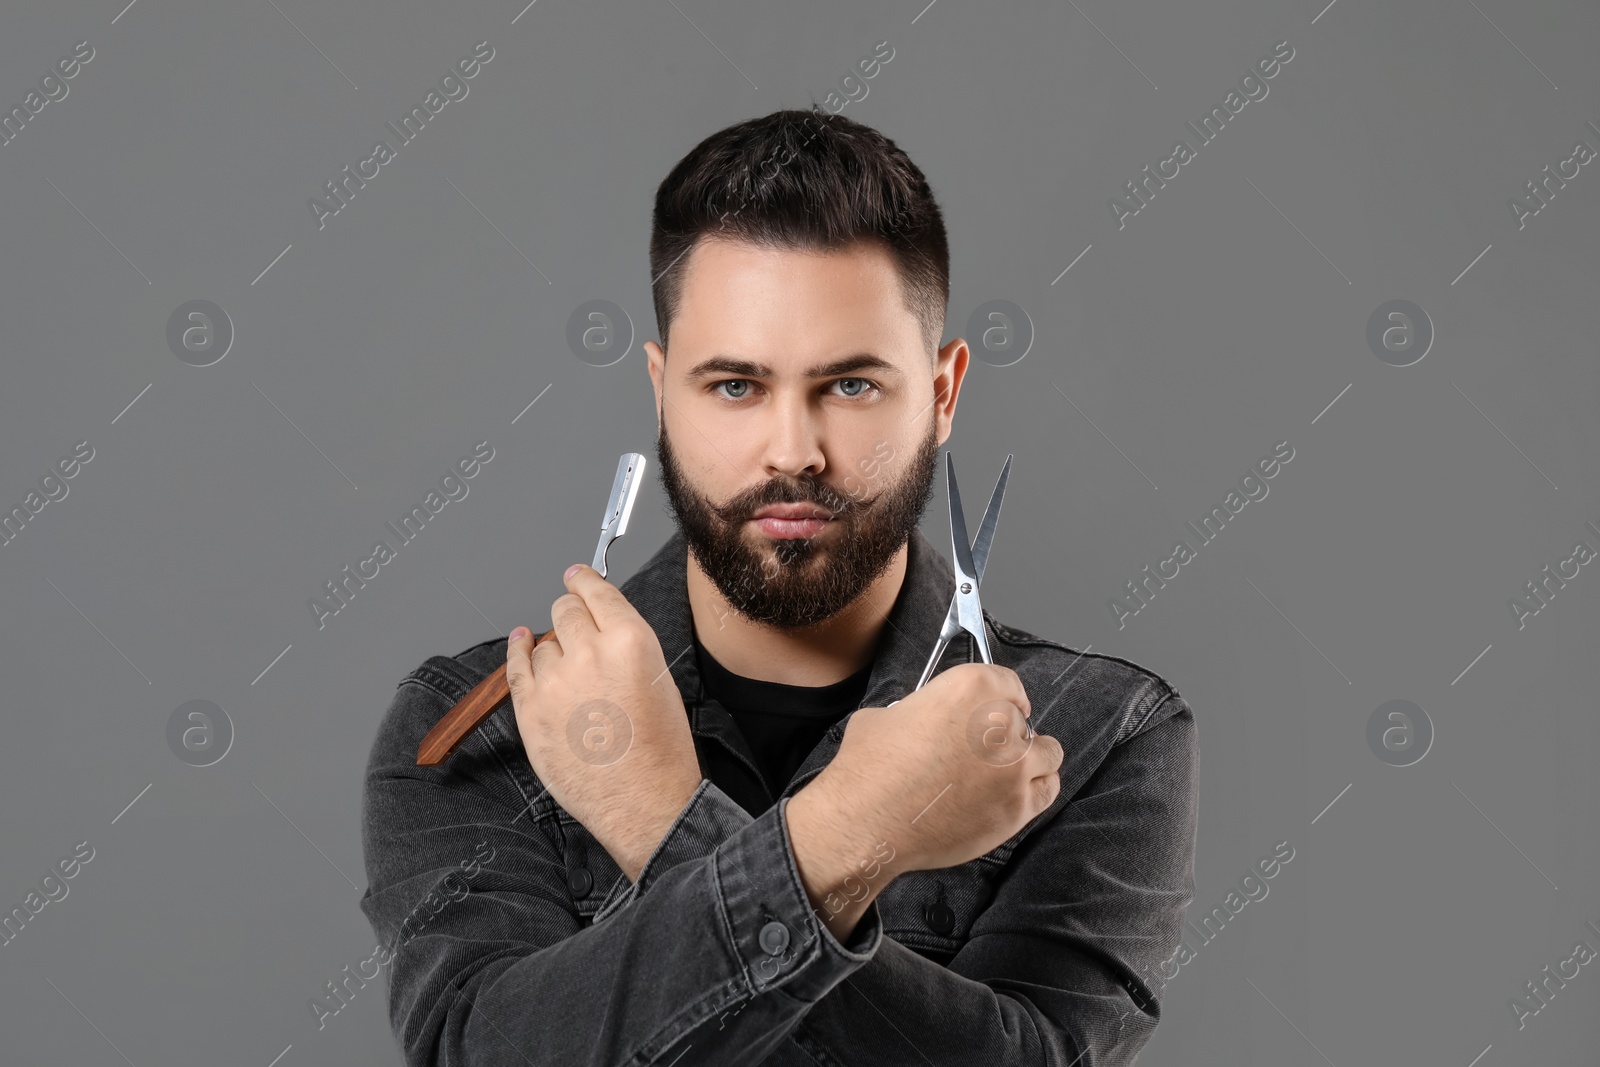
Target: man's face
{"x":798,"y":380}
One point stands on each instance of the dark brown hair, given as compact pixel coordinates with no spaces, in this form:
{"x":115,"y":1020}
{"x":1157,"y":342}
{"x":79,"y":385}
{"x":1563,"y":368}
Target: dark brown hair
{"x":802,"y":179}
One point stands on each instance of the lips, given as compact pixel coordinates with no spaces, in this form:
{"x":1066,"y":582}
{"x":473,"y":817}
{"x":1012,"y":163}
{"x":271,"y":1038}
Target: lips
{"x":792,"y":511}
{"x":790,"y":521}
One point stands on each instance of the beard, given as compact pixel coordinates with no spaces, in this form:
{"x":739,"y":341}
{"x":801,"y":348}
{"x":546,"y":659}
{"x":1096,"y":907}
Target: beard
{"x":791,"y":583}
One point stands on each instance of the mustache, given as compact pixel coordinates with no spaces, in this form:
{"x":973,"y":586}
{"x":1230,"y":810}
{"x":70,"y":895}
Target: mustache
{"x":778,"y":491}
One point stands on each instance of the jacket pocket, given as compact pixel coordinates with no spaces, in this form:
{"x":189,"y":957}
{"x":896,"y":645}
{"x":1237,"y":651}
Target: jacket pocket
{"x":932,"y":912}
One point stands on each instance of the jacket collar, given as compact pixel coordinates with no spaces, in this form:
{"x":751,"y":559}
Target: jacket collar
{"x":659,"y":592}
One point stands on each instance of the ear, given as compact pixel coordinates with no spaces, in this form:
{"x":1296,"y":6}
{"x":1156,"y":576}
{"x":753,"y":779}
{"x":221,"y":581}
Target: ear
{"x":949,"y":370}
{"x":656,"y":363}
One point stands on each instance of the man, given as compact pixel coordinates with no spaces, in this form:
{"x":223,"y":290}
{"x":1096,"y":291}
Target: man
{"x":700,"y":834}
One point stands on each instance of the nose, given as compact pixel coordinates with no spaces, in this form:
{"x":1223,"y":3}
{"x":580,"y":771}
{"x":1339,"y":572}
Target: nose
{"x":793,"y":446}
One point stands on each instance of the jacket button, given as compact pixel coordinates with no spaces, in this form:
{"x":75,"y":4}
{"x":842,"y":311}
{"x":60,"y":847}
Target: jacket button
{"x":579,"y":880}
{"x":774,"y":937}
{"x":939,"y":917}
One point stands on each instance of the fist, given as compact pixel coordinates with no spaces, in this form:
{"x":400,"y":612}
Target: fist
{"x":601,"y":719}
{"x":947,"y":774}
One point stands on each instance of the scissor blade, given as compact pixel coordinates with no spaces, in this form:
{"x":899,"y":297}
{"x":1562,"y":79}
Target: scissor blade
{"x":966,"y":611}
{"x":624,"y":490}
{"x":980,"y":555}
{"x":969,"y":608}
{"x":991,"y":516}
{"x":960,"y":546}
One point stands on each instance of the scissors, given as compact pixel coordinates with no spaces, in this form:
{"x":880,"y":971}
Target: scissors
{"x":970,"y":559}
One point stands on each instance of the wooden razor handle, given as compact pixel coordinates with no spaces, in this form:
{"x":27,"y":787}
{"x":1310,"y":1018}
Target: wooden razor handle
{"x":448,"y":733}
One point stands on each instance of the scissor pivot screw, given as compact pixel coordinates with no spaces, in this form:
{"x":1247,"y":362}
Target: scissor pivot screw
{"x":966,"y":587}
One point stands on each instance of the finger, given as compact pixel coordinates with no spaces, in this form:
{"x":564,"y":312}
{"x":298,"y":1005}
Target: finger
{"x":572,"y":621}
{"x":546,"y":654}
{"x":988,"y":681}
{"x":998,"y":682}
{"x":1011,"y":685}
{"x":606,"y":604}
{"x":999,"y":735}
{"x":1045,"y":754}
{"x":519,"y":669}
{"x":1046,"y":789}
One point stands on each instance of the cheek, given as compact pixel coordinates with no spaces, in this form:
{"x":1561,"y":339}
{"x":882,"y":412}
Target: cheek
{"x":878,"y":462}
{"x":719,"y":447}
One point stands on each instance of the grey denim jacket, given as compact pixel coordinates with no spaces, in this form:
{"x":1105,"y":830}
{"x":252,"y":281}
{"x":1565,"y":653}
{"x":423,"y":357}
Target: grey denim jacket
{"x":514,"y":939}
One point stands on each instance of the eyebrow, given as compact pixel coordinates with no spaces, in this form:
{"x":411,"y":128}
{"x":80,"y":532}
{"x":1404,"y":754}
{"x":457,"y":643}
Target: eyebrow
{"x":745,"y":368}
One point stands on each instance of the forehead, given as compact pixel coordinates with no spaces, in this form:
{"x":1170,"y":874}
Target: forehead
{"x":739,"y":295}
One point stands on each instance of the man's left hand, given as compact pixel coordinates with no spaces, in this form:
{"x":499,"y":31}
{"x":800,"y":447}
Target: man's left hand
{"x":602,"y":721}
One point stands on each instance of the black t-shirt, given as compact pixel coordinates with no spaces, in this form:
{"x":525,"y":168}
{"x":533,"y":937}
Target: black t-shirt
{"x":782,"y":723}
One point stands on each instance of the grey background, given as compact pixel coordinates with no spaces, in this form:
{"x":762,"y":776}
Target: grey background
{"x":376,"y":351}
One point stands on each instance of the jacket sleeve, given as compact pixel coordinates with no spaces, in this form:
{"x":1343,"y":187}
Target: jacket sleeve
{"x":1064,"y":968}
{"x":492,"y":964}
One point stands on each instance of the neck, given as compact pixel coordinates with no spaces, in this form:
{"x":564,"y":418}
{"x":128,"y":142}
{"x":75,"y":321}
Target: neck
{"x":827,"y":652}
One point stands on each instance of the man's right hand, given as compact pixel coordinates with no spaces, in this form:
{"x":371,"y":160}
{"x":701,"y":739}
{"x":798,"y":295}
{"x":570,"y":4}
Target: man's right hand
{"x":943,"y":777}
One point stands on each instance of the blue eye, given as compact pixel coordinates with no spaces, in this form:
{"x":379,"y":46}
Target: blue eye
{"x":862,"y":385}
{"x":740,"y":388}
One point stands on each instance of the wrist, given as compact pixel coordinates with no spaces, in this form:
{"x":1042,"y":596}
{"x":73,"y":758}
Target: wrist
{"x":841,"y":870}
{"x":644,"y":836}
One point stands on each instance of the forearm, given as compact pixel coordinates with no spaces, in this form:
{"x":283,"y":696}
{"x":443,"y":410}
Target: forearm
{"x":667,"y":970}
{"x":841,"y":870}
{"x":506,"y":974}
{"x":1054,"y":971}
